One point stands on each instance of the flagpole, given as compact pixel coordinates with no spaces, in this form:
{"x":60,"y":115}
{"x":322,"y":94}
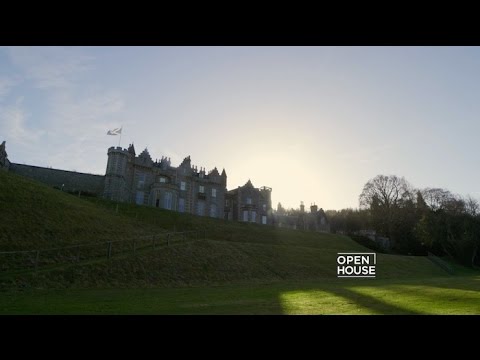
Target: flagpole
{"x":119,"y":140}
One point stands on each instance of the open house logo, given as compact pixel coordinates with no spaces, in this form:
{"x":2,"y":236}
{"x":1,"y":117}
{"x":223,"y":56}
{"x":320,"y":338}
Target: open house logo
{"x":356,"y":265}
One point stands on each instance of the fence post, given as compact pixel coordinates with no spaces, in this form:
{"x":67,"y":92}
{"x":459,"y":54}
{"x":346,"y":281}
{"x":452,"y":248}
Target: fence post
{"x":109,"y":251}
{"x":168,"y":239}
{"x":37,"y":257}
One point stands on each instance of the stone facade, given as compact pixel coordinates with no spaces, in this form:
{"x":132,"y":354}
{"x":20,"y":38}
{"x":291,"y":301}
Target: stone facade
{"x":249,"y":204}
{"x":4,"y":162}
{"x":140,"y":180}
{"x":315,"y":220}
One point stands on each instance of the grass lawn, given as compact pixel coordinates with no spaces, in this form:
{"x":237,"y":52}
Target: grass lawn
{"x":445,"y":295}
{"x":234,"y":268}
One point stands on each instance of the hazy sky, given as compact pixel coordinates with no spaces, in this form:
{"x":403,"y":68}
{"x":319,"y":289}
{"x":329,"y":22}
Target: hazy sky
{"x":313,"y":123}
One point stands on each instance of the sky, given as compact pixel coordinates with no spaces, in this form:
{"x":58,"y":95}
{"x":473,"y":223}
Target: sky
{"x":313,"y":123}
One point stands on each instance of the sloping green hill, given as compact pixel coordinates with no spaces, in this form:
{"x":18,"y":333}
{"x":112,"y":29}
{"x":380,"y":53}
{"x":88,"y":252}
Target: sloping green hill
{"x":34,"y":216}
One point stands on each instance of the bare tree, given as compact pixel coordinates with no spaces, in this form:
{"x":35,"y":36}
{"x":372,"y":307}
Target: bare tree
{"x":384,"y":196}
{"x":442,"y":199}
{"x":386,"y":191}
{"x":436,"y":198}
{"x":456,"y":205}
{"x":472,"y":206}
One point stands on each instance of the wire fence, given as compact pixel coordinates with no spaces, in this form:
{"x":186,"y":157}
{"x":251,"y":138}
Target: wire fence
{"x":40,"y":258}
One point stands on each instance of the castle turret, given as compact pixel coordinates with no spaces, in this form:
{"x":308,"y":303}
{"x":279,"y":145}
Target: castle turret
{"x":115,"y":175}
{"x":131,"y":149}
{"x":266,"y":193}
{"x":4,"y":163}
{"x":302,"y":207}
{"x":313,"y":208}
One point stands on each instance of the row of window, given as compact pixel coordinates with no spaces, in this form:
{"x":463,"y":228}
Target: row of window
{"x":248,"y":216}
{"x":201,"y":209}
{"x":168,"y":203}
{"x":183,"y":185}
{"x":249,"y":202}
{"x":201,"y":190}
{"x":251,"y":216}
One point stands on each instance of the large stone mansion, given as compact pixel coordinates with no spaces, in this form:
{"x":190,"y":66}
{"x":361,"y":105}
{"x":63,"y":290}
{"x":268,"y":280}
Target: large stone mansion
{"x":139,"y":179}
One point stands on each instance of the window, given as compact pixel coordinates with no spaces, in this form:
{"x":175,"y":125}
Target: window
{"x":141,"y":180}
{"x":213,"y":210}
{"x":167,"y":201}
{"x":201,"y":175}
{"x":249,"y":201}
{"x":201,"y":208}
{"x":139,"y":198}
{"x":163,"y":180}
{"x":264,"y":206}
{"x":181,"y":205}
{"x":254,"y":216}
{"x":245,"y":215}
{"x":214,"y":192}
{"x":264,"y":220}
{"x":201,"y":189}
{"x":183,"y":185}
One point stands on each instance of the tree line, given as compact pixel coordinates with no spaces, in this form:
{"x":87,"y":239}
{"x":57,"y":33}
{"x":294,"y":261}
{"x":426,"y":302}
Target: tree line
{"x":416,"y":221}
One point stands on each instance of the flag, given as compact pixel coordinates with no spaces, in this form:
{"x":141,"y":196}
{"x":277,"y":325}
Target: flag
{"x":116,"y":131}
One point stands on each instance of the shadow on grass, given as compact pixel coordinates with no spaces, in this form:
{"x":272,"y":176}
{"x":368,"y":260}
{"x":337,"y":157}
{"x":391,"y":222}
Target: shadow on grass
{"x":315,"y":297}
{"x":415,"y":296}
{"x":332,"y":298}
{"x":370,"y":302}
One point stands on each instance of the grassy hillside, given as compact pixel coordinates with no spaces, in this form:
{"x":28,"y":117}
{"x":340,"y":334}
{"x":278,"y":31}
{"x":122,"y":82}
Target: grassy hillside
{"x":35,"y":216}
{"x":214,"y":262}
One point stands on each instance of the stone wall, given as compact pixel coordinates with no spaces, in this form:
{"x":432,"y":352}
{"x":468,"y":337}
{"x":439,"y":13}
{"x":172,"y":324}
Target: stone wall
{"x":71,"y":181}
